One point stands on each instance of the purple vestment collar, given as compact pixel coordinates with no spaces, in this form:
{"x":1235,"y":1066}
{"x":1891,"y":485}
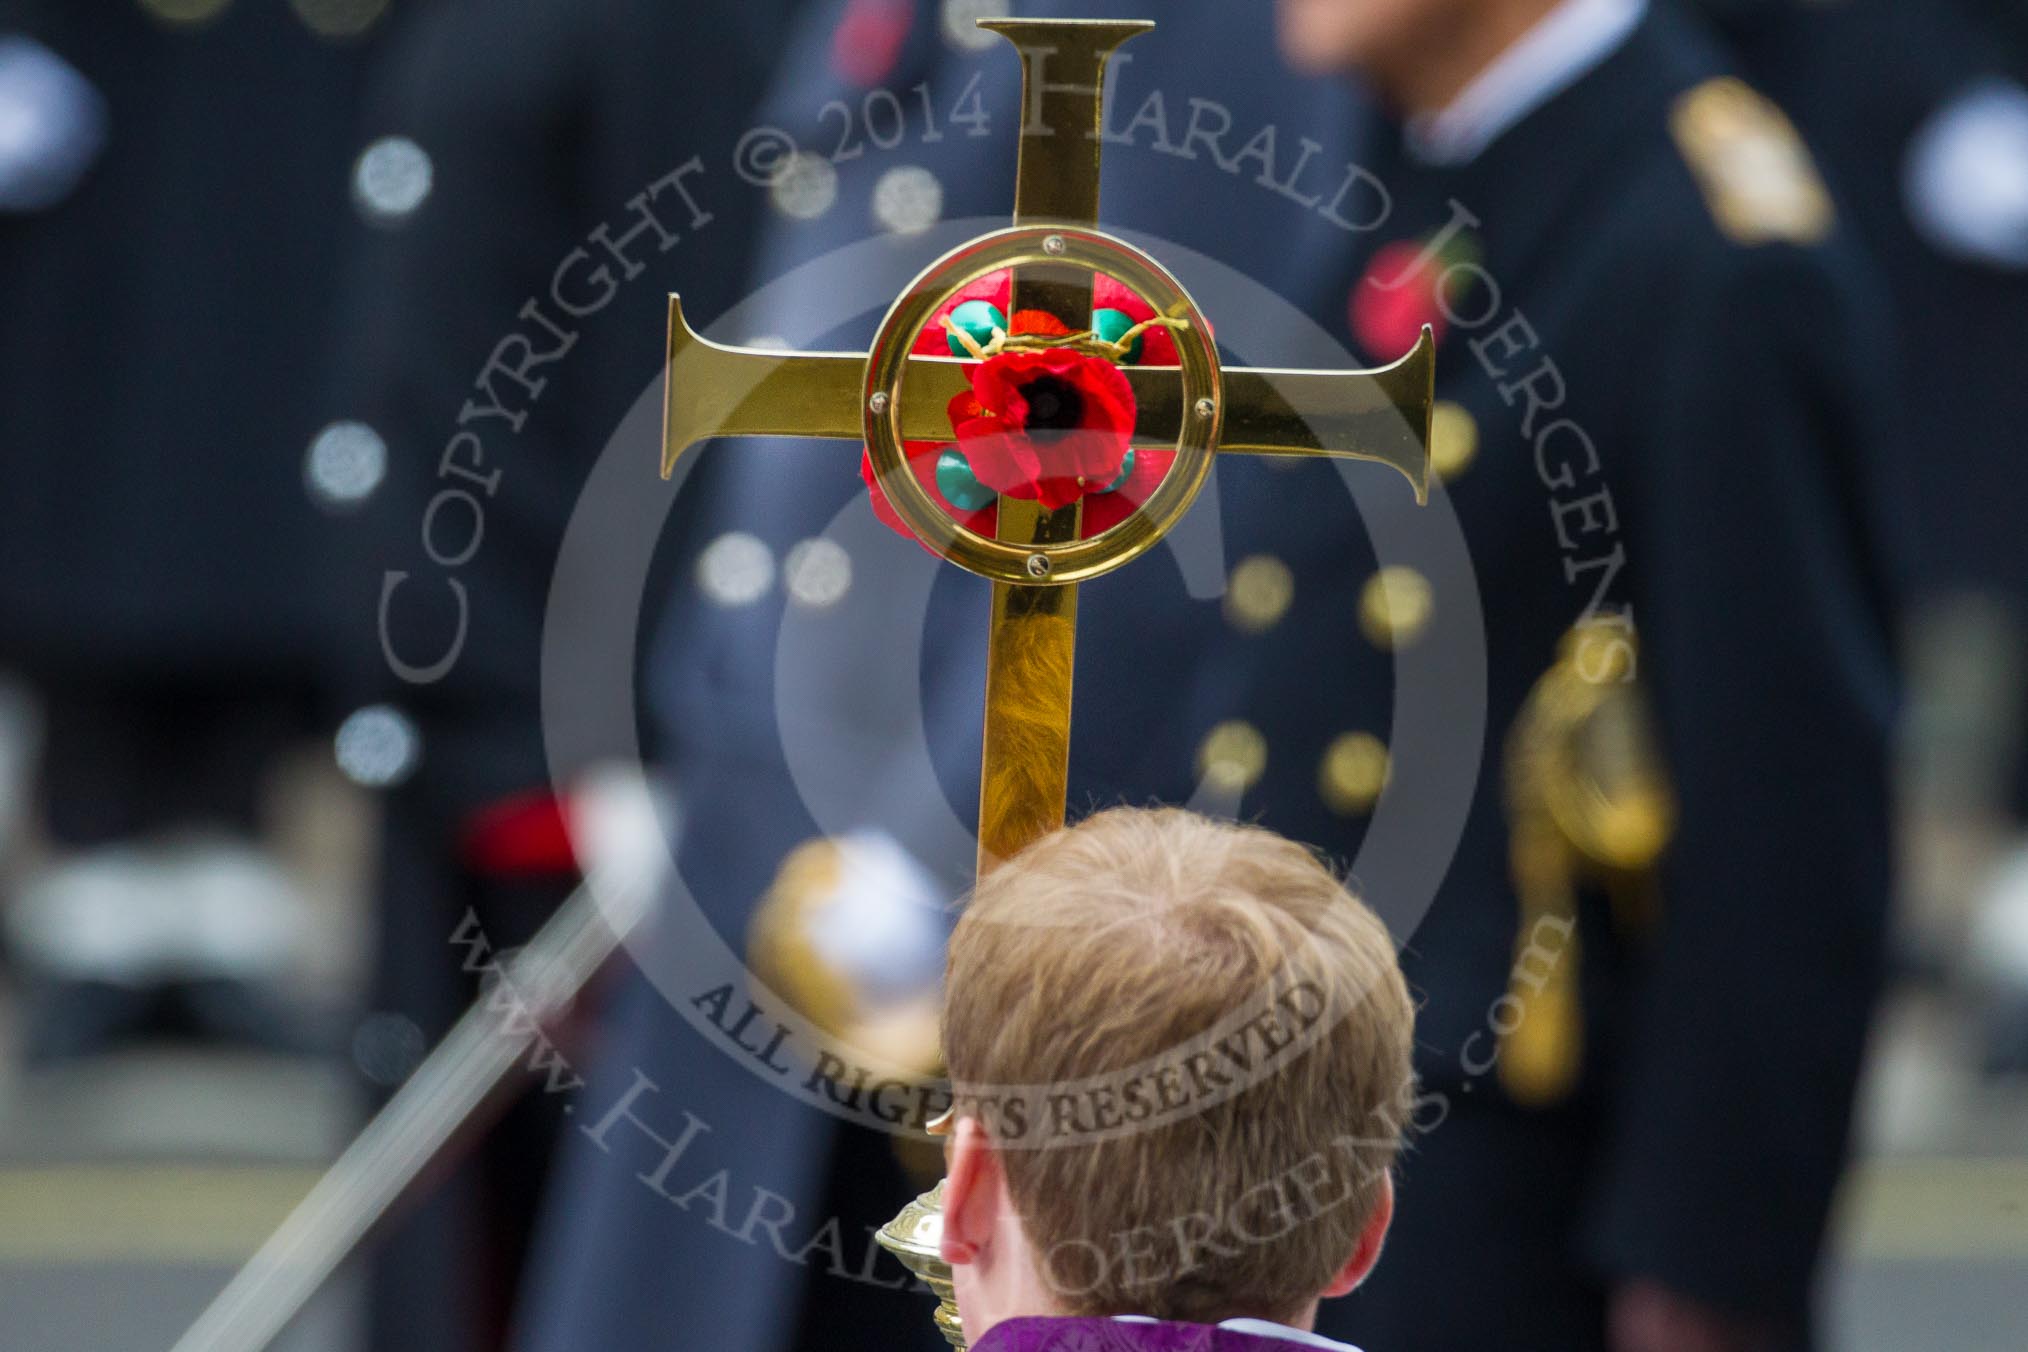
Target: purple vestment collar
{"x":1033,"y":1334}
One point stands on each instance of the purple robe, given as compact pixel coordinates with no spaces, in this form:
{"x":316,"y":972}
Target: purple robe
{"x":1036,"y":1334}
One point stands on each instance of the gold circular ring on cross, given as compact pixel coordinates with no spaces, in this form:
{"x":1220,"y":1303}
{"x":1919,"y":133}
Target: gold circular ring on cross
{"x":1201,"y":408}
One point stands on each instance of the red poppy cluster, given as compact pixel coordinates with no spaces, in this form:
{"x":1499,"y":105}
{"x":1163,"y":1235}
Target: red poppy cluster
{"x":1050,"y":425}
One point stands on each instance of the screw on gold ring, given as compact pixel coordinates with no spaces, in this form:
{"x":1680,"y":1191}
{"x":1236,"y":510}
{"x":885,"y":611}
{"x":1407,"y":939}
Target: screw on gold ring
{"x":1053,"y":245}
{"x":1038,"y":565}
{"x":878,"y":403}
{"x":1205,"y":408}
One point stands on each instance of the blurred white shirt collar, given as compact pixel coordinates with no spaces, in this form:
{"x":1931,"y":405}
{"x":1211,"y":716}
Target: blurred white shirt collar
{"x":1549,"y":58}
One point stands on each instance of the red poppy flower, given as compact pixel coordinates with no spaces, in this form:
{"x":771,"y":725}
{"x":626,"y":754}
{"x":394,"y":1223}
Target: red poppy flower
{"x":1037,"y":321}
{"x":1051,"y":426}
{"x":1103,"y":511}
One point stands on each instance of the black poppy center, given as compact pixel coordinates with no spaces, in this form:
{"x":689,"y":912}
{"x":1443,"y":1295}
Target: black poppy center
{"x":1055,"y":406}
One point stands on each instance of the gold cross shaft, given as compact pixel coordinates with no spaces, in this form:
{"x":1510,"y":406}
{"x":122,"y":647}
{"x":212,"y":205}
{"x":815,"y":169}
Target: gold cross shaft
{"x":714,"y":390}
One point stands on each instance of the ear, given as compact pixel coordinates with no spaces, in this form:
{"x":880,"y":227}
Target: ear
{"x":974,"y":1192}
{"x":1367,"y":1251}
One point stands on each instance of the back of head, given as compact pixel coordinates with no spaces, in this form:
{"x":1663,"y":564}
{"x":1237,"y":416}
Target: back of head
{"x":1189,"y":1044}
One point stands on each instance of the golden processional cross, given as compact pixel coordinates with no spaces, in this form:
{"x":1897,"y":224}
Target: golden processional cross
{"x":885,"y":396}
{"x":1036,"y":558}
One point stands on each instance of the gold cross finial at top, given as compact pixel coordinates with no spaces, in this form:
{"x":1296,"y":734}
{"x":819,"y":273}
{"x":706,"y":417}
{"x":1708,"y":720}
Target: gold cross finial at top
{"x":1037,"y":556}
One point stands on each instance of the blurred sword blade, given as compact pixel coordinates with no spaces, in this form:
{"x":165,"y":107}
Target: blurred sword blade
{"x":488,"y":1041}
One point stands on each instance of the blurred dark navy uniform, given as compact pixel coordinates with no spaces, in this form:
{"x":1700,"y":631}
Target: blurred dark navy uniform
{"x":159,"y":402}
{"x":172,"y":204}
{"x":490,"y":339}
{"x":1658,"y":383}
{"x":1657,"y":232}
{"x":1920,"y":116}
{"x":1920,"y":113}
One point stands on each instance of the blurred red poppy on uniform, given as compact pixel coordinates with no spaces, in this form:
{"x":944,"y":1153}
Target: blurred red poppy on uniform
{"x":868,"y":40}
{"x":1396,"y":297}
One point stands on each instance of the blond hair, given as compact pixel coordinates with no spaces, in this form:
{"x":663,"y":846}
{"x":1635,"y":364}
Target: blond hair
{"x":1190,"y":1046}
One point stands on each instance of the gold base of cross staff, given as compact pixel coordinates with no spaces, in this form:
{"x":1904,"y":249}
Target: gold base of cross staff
{"x":1037,"y":556}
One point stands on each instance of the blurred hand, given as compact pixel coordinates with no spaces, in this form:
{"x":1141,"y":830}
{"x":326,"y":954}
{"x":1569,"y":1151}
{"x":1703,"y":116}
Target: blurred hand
{"x":1646,"y":1316}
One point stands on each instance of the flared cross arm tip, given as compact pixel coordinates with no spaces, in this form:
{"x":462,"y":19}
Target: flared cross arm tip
{"x":712,"y":390}
{"x":1423,"y":359}
{"x":1383,"y":415}
{"x":675,"y":435}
